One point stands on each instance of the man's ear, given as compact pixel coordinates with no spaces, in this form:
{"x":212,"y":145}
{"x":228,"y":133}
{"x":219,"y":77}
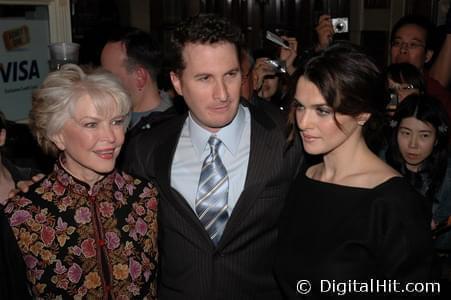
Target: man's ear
{"x":2,"y":137}
{"x":58,"y":140}
{"x":363,"y":118}
{"x":141,"y":76}
{"x":176,"y":82}
{"x":429,"y":54}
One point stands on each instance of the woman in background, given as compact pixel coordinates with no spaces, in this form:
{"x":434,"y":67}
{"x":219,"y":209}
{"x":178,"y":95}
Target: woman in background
{"x":13,"y":281}
{"x":351,"y":216}
{"x":10,"y":174}
{"x":419,"y":151}
{"x":85,"y":230}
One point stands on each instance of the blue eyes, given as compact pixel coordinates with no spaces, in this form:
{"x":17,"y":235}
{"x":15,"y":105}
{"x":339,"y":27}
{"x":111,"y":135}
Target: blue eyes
{"x":92,"y":125}
{"x":118,"y":121}
{"x":323,"y":111}
{"x":320,"y":110}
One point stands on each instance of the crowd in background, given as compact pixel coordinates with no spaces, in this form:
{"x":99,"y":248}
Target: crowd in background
{"x":347,"y":167}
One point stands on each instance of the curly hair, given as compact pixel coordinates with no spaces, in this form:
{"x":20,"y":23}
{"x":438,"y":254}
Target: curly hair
{"x":54,"y":101}
{"x":202,"y":29}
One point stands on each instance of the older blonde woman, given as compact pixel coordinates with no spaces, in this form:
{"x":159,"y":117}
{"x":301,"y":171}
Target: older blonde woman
{"x":85,"y":230}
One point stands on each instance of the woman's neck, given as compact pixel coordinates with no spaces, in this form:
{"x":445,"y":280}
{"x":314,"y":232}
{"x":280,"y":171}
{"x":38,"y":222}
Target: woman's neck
{"x":88,"y":178}
{"x":345,"y":160}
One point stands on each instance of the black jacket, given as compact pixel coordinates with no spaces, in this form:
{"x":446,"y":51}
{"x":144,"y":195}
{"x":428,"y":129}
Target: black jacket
{"x":191,"y":267}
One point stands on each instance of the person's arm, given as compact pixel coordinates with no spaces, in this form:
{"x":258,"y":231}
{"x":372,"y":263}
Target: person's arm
{"x":289,"y":55}
{"x":441,"y":69}
{"x":261,"y":69}
{"x":24,"y":185}
{"x":325,"y":32}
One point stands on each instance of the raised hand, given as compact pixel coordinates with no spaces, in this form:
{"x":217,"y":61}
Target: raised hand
{"x":289,"y":55}
{"x":325,"y":32}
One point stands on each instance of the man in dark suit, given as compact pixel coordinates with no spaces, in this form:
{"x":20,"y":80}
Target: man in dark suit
{"x":224,"y":169}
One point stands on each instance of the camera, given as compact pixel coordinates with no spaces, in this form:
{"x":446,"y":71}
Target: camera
{"x":276,"y":39}
{"x":277,"y":65}
{"x":340,"y":25}
{"x":393,"y":101}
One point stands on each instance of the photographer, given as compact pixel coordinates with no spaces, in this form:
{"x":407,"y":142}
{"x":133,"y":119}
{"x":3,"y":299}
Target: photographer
{"x":412,"y":41}
{"x":268,"y":77}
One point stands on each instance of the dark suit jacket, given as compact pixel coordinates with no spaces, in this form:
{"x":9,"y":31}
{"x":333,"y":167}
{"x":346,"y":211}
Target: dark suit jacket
{"x":241,"y":266}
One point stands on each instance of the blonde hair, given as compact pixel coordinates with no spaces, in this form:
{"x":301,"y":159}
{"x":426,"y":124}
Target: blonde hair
{"x":54,"y":101}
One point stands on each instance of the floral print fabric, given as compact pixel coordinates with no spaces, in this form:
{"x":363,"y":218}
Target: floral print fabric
{"x":79,"y":242}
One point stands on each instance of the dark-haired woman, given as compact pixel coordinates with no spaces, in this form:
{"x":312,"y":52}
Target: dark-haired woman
{"x":13,"y":280}
{"x":351,"y":217}
{"x":9,"y":173}
{"x":403,"y":79}
{"x":418,"y":150}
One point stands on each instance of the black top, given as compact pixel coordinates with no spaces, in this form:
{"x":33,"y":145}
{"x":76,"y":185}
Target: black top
{"x":341,"y":233}
{"x":13,"y":280}
{"x":18,"y":173}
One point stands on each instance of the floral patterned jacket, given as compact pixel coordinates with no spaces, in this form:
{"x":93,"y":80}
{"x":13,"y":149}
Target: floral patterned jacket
{"x":79,"y":242}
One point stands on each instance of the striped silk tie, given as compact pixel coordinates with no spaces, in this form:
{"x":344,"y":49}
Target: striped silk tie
{"x":212,"y":193}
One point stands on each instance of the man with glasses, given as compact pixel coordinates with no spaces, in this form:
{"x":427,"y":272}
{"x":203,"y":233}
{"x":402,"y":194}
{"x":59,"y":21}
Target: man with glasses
{"x":412,"y":41}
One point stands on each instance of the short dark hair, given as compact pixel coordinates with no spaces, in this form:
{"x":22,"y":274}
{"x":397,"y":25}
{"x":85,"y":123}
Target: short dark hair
{"x":202,"y":29}
{"x":428,"y":110}
{"x":406,"y":73}
{"x":142,"y":49}
{"x":420,"y":21}
{"x":350,"y":82}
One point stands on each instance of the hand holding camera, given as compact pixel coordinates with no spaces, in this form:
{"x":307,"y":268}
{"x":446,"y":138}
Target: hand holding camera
{"x":340,"y":25}
{"x":324,"y":31}
{"x":266,"y":69}
{"x":327,"y":27}
{"x":288,"y":56}
{"x":288,"y":52}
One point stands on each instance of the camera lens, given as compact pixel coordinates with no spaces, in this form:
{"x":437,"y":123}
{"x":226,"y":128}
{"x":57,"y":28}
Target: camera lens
{"x":339,"y":27}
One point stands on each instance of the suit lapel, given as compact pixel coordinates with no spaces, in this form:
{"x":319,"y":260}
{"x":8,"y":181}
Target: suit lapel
{"x":261,"y":162}
{"x":163,"y":162}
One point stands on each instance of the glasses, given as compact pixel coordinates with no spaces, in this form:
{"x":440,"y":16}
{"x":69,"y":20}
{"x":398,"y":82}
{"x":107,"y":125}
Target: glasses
{"x":401,"y":87}
{"x":407,"y":45}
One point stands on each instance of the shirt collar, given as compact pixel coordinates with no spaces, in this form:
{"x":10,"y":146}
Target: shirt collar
{"x":230,"y":135}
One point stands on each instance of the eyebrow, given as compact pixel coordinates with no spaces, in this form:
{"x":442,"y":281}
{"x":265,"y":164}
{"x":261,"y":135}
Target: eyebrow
{"x":414,"y":39}
{"x":422,"y":131}
{"x":237,"y":69}
{"x":314,"y":105}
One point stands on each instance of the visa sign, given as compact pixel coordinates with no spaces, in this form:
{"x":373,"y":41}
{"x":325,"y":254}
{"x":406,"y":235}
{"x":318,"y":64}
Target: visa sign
{"x":19,"y":70}
{"x":24,"y":63}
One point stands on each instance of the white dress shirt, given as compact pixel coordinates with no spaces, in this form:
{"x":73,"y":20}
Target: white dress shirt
{"x":192,"y":149}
